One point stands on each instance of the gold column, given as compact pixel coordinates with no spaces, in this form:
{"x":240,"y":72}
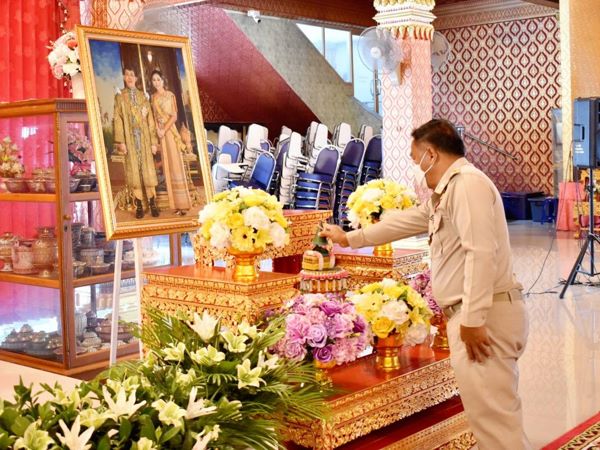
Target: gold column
{"x":580,"y":59}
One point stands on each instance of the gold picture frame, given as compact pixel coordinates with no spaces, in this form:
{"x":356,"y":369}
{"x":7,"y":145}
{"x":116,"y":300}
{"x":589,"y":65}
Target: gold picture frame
{"x":147,"y":131}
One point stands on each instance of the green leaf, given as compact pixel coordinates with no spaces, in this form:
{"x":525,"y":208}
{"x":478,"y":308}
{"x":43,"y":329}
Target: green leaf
{"x":125,"y":429}
{"x":45,"y":411}
{"x":148,"y":431}
{"x":6,"y":441}
{"x":166,"y":437}
{"x":20,"y":425}
{"x":8,"y":416}
{"x":104,"y":443}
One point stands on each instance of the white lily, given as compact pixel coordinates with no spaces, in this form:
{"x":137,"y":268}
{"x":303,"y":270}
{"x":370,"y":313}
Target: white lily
{"x":271,"y":363}
{"x":185,"y":378}
{"x":248,"y":330}
{"x":123,"y":406}
{"x":72,"y":439}
{"x":196,"y":408}
{"x":174,"y":352}
{"x":235,"y":344}
{"x":248,"y":376}
{"x":205,"y":437}
{"x":129,"y":384}
{"x":34,"y":439}
{"x":169,"y":412}
{"x":145,"y":444}
{"x":90,"y":417}
{"x":204,"y":326}
{"x":208,"y":356}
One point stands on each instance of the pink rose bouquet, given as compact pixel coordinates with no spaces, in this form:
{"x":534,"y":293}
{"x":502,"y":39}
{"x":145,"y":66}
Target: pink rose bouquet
{"x":323,"y":328}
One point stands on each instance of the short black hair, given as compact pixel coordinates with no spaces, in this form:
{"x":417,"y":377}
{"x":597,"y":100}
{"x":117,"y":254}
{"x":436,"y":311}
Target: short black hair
{"x":441,"y":134}
{"x":131,"y":69}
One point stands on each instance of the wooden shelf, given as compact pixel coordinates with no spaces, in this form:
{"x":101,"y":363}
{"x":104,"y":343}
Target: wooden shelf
{"x":105,"y":278}
{"x":31,"y":280}
{"x":27,"y":197}
{"x":84,"y":196}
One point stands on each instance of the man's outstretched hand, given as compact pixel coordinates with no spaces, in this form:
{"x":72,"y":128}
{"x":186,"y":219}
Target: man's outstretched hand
{"x":336,"y":234}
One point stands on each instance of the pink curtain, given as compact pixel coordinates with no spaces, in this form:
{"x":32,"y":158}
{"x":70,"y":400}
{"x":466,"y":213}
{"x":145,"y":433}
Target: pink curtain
{"x":26,"y":29}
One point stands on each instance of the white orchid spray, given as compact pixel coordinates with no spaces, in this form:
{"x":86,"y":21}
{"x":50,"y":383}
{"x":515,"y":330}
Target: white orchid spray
{"x":200,"y":386}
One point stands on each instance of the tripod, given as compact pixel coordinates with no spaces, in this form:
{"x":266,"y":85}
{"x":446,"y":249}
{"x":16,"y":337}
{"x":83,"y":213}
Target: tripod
{"x":590,"y":239}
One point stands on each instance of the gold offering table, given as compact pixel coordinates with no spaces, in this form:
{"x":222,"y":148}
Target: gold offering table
{"x":371,"y":399}
{"x":303,"y":226}
{"x":196,"y":288}
{"x":365,"y":268}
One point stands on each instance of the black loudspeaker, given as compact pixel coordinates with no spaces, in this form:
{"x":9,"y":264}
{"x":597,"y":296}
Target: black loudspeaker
{"x":586,"y":132}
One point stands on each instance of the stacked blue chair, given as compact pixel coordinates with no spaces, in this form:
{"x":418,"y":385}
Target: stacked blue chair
{"x":283,"y":146}
{"x":261,"y":175}
{"x":348,"y":178}
{"x":210,"y":147}
{"x":232,"y":148}
{"x":316,"y":190}
{"x":372,"y":162}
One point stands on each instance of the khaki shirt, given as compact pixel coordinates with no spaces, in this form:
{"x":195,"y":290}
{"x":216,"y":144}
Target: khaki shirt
{"x":470,"y":248}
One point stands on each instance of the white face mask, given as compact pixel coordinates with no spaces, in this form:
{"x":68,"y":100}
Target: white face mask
{"x":420,"y":173}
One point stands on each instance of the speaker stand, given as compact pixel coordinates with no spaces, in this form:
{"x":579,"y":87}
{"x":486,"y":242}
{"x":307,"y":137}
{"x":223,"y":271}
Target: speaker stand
{"x":590,"y":240}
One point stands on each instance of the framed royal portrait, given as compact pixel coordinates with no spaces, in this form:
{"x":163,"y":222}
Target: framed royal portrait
{"x":147,"y":131}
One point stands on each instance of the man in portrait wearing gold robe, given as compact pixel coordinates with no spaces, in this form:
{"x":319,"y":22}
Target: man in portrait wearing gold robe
{"x":136,"y":138}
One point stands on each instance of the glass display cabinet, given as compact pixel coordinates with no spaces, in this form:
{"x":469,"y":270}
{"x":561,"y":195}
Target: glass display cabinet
{"x":56,"y":267}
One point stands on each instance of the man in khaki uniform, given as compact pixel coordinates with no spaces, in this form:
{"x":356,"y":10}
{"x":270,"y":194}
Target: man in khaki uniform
{"x":472,"y":280}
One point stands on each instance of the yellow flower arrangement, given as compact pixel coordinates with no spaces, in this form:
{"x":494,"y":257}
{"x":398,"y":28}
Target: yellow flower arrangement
{"x":391,"y":307}
{"x":244,"y":219}
{"x":371,"y":200}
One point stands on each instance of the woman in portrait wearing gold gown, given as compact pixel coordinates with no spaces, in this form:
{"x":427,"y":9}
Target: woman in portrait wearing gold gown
{"x":164,"y":107}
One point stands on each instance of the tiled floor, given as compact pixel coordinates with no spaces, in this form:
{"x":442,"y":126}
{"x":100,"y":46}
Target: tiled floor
{"x":560,"y":369}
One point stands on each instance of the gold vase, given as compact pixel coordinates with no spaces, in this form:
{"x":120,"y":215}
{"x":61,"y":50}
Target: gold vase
{"x":387,"y":352}
{"x":383,"y":250}
{"x":322,"y":376}
{"x":440,"y":340}
{"x":245,"y":265}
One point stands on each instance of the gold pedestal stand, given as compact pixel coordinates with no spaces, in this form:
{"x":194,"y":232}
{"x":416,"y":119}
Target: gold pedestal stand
{"x":371,"y":399}
{"x":197,"y":288}
{"x":365,"y":267}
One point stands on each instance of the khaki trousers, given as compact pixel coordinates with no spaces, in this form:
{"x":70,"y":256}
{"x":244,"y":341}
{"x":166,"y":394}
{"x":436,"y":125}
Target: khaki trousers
{"x":489,"y":390}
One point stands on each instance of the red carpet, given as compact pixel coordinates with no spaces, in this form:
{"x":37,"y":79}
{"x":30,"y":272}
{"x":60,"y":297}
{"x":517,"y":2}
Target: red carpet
{"x":585,"y":436}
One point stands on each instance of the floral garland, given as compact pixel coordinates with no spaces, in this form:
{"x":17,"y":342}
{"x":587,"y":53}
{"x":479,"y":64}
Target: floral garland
{"x":201,"y":386}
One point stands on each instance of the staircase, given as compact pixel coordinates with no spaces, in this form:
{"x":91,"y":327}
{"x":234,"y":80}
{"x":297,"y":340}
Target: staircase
{"x":306,"y":71}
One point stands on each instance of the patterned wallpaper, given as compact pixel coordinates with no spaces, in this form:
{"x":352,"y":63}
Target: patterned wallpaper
{"x":500,"y":82}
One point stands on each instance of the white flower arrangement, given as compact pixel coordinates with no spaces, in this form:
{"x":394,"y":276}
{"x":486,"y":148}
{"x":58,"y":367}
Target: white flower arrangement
{"x":246,"y":220}
{"x":64,"y":56}
{"x":201,"y":386}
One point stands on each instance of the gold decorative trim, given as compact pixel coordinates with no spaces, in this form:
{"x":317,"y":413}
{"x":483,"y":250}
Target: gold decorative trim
{"x":359,"y":413}
{"x":228,"y":300}
{"x":302,"y":231}
{"x":365,"y":269}
{"x":450,"y":434}
{"x":482,"y":12}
